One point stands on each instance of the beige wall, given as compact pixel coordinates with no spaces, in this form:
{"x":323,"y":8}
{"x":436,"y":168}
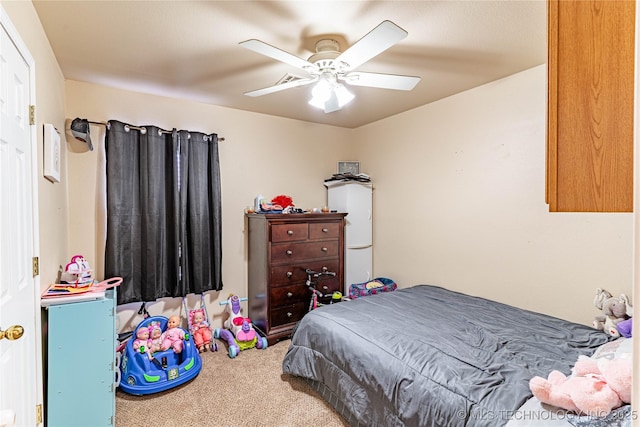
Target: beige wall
{"x":459,"y":202}
{"x":260,"y":154}
{"x":458,"y":193}
{"x":50,"y":102}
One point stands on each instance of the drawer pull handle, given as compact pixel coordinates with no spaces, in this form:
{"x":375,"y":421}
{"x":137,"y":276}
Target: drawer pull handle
{"x":324,"y":268}
{"x":289,"y":274}
{"x":290,"y":232}
{"x":325,"y":230}
{"x":289,"y":314}
{"x":325,"y":288}
{"x":324,"y":249}
{"x":289,"y":294}
{"x":289,"y":252}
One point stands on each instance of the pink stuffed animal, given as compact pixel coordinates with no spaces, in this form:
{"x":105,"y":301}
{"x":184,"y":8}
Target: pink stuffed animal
{"x":173,"y":336}
{"x":594,"y":388}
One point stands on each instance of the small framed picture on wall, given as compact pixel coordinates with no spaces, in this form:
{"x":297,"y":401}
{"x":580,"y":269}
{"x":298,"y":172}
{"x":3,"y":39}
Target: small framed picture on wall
{"x":351,"y":167}
{"x":51,"y":153}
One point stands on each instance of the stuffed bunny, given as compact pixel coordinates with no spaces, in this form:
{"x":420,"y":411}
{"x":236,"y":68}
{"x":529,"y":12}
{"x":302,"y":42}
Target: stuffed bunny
{"x":614,"y":310}
{"x":594,"y":388}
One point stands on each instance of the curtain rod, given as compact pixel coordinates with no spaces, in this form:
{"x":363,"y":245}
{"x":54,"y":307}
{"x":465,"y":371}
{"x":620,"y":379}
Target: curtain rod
{"x":141,"y":129}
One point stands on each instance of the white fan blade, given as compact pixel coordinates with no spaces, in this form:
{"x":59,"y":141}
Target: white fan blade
{"x":375,"y":42}
{"x":383,"y":81}
{"x":283,"y":86}
{"x":277,"y":54}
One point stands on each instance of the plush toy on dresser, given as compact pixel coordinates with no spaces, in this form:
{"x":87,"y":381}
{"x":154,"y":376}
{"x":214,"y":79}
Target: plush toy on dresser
{"x":614,"y":311}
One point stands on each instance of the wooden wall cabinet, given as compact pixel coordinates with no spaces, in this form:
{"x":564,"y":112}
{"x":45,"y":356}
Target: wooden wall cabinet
{"x":590,"y":105}
{"x":281,"y":248}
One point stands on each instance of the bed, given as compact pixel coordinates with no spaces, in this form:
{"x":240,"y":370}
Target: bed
{"x":428,"y":356}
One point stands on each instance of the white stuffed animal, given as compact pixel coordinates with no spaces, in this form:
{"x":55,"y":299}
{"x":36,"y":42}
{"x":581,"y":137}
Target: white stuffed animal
{"x":614,"y":310}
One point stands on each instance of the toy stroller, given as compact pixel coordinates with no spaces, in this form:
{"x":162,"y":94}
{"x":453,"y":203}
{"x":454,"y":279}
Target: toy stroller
{"x":238,"y":331}
{"x":199,"y":326}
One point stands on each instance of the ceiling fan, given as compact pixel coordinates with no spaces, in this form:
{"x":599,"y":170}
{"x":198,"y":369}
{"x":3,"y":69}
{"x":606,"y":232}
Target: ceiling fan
{"x":329,"y":67}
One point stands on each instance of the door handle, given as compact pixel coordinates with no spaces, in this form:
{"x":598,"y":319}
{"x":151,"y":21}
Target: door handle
{"x":12,"y":333}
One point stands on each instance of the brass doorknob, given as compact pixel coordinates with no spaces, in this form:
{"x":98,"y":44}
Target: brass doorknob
{"x":12,"y":333}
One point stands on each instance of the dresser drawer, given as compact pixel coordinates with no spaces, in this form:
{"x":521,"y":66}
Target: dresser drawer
{"x":295,"y":274}
{"x":288,"y":275}
{"x":287,"y":295}
{"x":289,"y":232}
{"x":302,"y":251}
{"x":288,"y":314}
{"x":324,"y":230}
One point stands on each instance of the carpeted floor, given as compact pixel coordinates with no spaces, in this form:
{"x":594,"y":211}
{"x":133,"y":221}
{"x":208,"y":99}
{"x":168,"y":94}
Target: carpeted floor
{"x":248,"y":390}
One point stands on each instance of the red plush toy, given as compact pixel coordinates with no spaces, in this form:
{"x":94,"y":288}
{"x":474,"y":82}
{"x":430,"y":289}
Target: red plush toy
{"x":283,"y":201}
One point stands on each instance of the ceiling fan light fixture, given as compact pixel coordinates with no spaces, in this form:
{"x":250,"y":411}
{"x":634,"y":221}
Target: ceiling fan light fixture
{"x":321,"y":91}
{"x":330,"y":97}
{"x":316,"y":102}
{"x":344,"y":96}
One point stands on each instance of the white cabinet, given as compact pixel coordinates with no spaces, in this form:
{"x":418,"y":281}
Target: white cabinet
{"x":354,"y":198}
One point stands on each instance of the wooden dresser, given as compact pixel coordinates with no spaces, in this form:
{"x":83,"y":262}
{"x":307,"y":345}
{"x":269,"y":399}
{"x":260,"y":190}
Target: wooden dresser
{"x":281,"y":248}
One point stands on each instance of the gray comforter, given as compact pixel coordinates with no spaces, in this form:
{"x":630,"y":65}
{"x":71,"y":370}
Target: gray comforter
{"x":426,"y":356}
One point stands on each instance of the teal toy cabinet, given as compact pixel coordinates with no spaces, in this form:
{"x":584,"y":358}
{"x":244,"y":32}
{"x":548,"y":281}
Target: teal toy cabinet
{"x":80,"y":378}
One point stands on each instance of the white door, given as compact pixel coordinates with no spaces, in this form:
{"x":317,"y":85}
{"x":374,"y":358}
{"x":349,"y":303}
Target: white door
{"x":19,"y":289}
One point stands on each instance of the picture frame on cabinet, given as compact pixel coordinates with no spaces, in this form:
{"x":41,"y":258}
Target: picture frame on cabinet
{"x":51,"y":153}
{"x":351,"y":166}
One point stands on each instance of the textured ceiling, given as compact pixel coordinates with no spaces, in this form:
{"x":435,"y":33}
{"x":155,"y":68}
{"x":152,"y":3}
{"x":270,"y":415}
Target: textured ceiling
{"x":190,"y":50}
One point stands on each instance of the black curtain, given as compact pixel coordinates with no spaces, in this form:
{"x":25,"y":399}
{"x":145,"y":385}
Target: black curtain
{"x":200,"y":213}
{"x":163,"y":212}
